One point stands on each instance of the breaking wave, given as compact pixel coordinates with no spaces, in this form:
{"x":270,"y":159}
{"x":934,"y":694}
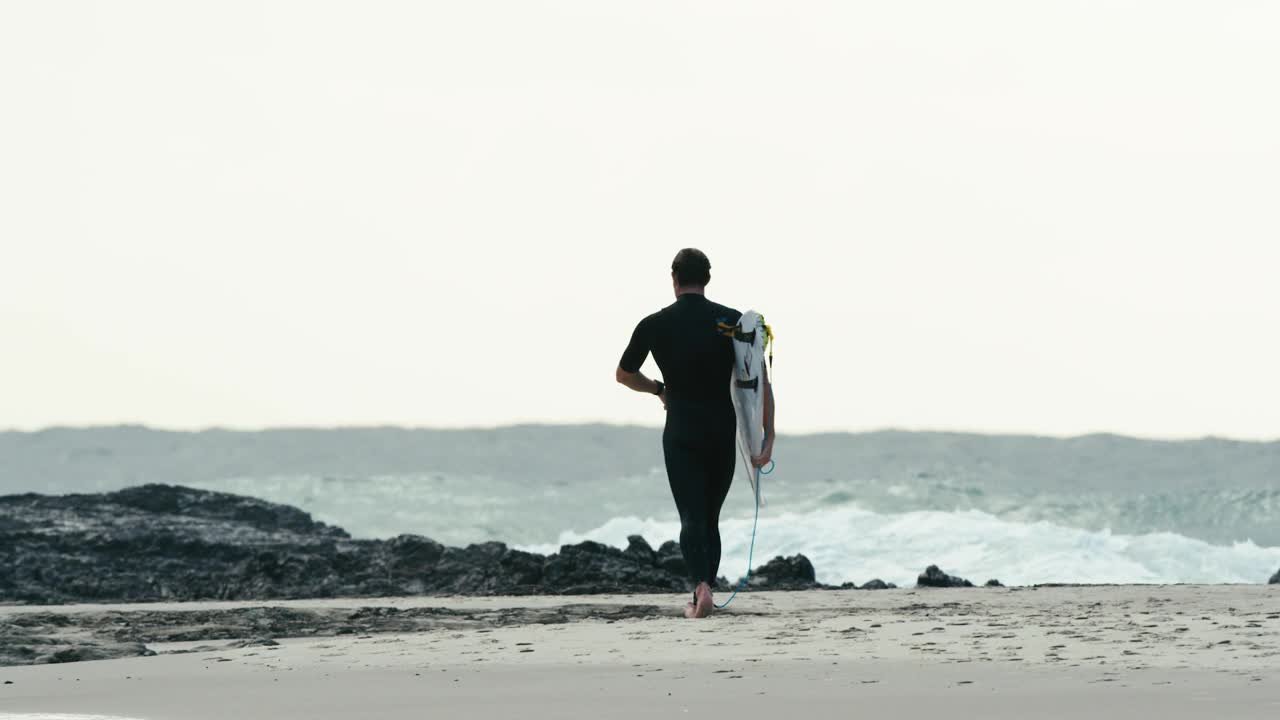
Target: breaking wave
{"x":851,"y":544}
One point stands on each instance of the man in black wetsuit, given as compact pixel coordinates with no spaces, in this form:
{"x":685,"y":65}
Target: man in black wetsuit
{"x":692,"y":342}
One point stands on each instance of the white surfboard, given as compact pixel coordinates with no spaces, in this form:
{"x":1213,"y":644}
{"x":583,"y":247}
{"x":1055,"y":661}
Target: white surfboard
{"x":747,"y":388}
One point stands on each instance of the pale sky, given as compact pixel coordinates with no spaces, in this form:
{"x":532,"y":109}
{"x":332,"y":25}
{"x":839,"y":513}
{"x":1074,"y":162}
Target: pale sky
{"x":1034,"y":217}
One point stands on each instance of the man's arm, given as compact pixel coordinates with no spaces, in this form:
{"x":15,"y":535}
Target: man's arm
{"x":638,"y":382}
{"x":637,"y":350}
{"x":766,"y":454}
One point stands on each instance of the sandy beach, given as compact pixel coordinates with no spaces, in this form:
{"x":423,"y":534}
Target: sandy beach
{"x":1098,"y":652}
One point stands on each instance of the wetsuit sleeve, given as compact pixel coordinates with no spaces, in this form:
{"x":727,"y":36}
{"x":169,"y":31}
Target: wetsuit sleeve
{"x":638,"y":349}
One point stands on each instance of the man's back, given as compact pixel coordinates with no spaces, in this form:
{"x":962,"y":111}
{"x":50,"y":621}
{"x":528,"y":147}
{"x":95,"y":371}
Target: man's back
{"x":692,"y":342}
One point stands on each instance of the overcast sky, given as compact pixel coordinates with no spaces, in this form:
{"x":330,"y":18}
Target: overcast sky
{"x":1038,"y":217}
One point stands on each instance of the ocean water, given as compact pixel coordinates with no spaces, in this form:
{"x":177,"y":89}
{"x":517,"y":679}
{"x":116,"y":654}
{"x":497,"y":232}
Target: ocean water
{"x":1024,"y":510}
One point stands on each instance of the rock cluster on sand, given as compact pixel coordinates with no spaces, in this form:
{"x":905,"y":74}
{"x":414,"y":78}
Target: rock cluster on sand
{"x":17,"y":654}
{"x":792,"y":573}
{"x":876,"y":584}
{"x":1275,"y":579}
{"x":934,"y":577}
{"x":41,"y":637}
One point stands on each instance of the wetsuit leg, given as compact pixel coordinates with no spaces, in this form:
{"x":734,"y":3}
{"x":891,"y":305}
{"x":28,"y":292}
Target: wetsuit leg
{"x":686,"y":477}
{"x":720,"y":464}
{"x":700,"y":471}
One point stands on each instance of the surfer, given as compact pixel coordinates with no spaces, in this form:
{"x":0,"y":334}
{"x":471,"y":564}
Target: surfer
{"x":692,"y":342}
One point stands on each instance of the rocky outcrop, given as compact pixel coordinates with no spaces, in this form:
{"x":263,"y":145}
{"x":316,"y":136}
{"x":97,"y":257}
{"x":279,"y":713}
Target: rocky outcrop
{"x":791,"y":573}
{"x":1275,"y":579}
{"x":15,"y":652}
{"x":162,"y":542}
{"x":877,"y":584}
{"x":590,"y":567}
{"x":934,"y":577}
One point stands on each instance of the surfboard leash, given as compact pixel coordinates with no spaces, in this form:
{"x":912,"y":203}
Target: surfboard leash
{"x":752,"y":549}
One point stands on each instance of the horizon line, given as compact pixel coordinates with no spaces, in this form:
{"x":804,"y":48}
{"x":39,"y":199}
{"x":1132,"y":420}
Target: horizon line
{"x":596,"y":424}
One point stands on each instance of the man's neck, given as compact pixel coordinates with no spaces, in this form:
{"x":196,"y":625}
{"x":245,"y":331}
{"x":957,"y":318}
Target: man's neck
{"x":691,"y":291}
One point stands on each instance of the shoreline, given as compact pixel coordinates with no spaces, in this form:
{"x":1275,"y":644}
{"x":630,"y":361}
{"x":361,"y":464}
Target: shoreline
{"x":448,"y":599}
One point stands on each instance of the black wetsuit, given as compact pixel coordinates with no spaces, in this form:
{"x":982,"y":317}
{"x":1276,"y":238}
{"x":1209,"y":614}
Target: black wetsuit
{"x":691,"y":340}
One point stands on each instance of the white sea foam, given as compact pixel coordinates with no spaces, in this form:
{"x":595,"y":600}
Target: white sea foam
{"x":848,"y":543}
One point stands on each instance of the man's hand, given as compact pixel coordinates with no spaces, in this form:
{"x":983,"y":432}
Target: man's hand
{"x":766,"y":454}
{"x":638,"y":382}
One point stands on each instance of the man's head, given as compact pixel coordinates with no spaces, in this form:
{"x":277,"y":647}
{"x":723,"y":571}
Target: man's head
{"x":691,"y":270}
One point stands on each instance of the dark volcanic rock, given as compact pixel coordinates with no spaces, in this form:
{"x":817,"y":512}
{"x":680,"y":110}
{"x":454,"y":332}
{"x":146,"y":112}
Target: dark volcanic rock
{"x":413,"y":554}
{"x":44,"y":638}
{"x":790,"y":573}
{"x":640,"y":549}
{"x":1275,"y":579}
{"x":161,"y":542}
{"x":933,"y":577}
{"x":251,"y":642}
{"x":590,"y":567}
{"x":80,"y":653}
{"x":876,"y":584}
{"x":483,"y":569}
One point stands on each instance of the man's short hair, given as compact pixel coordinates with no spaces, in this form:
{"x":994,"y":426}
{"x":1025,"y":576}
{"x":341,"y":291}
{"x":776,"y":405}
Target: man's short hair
{"x":691,"y":268}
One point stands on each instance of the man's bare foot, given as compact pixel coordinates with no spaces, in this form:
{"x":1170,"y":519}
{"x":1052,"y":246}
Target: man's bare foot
{"x":690,"y":610}
{"x":705,"y":603}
